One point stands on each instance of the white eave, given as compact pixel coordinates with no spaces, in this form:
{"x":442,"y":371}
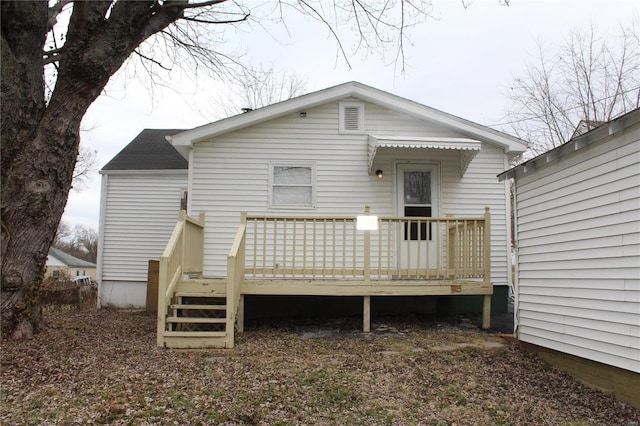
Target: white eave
{"x":360,"y":91}
{"x":607,"y":130}
{"x":467,"y":148}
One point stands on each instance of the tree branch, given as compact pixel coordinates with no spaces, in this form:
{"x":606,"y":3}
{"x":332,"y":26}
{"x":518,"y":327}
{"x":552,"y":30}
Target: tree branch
{"x":205,"y":21}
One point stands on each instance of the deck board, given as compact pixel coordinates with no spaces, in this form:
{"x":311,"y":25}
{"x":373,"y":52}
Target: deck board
{"x":359,"y":288}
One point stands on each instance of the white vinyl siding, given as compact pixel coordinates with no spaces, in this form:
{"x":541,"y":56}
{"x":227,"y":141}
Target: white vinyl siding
{"x":231,"y":174}
{"x":141,"y":212}
{"x":579,"y":253}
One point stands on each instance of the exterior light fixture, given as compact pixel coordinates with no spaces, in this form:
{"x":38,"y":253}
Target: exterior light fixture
{"x":379,"y":173}
{"x":303,"y":114}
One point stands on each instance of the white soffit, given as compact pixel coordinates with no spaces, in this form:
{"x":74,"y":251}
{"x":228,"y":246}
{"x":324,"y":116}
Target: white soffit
{"x":467,"y":148}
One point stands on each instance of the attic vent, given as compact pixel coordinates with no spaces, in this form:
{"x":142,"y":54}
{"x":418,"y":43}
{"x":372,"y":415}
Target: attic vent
{"x":352,"y":117}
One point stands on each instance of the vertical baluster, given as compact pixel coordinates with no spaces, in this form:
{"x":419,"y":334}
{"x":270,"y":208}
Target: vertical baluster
{"x":304,"y":247}
{"x":353,"y":245}
{"x":324,"y":247}
{"x":333,"y":249}
{"x":284,"y":245}
{"x":419,"y":245}
{"x":313,"y":263}
{"x":264,"y":246}
{"x":254,"y":246}
{"x":275,"y":245}
{"x":294,"y":250}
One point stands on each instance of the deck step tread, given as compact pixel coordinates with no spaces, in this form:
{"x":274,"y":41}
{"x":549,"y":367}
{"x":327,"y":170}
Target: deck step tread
{"x":195,"y":333}
{"x":196,"y":320}
{"x":203,"y":307}
{"x":199,"y":294}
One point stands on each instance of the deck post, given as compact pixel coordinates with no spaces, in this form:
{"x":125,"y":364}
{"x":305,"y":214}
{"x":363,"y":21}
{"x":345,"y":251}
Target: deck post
{"x":240,"y":315}
{"x":366,"y":314}
{"x":486,"y":307}
{"x":486,"y":312}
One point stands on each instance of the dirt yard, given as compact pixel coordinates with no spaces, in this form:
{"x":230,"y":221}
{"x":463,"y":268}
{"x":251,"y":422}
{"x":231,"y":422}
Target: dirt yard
{"x":104,"y":368}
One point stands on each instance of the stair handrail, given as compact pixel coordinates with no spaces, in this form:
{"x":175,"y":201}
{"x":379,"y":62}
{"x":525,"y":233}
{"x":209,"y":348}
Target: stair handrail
{"x":186,"y":242}
{"x":235,"y":278}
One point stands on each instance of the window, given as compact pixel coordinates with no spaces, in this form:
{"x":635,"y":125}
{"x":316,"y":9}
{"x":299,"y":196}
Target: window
{"x":351,"y":117}
{"x":292,"y":185}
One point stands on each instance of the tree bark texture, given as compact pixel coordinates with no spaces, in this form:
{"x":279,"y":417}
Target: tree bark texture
{"x":40,"y":137}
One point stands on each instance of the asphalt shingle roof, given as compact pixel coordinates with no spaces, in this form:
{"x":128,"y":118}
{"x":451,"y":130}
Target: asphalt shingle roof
{"x":149,"y":151}
{"x":69,"y":260}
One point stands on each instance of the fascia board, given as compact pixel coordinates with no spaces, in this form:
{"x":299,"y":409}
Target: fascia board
{"x":357,"y":90}
{"x":423,"y":112}
{"x":161,"y":172}
{"x":261,"y":115}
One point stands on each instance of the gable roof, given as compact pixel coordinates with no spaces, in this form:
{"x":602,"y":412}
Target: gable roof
{"x":69,"y":260}
{"x":150,"y":150}
{"x":611,"y":128}
{"x":357,"y":90}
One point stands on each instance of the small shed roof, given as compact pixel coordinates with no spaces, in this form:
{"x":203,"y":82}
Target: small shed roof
{"x":150,"y":150}
{"x":69,"y":260}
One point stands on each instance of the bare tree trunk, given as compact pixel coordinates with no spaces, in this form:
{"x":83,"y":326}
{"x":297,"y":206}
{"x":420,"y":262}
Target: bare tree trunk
{"x":40,"y":140}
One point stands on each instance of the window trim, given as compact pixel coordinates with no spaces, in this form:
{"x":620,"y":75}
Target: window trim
{"x":360,"y":129}
{"x":308,"y":164}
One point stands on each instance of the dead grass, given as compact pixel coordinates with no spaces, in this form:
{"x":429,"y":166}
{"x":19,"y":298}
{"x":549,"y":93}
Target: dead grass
{"x":104,"y":368}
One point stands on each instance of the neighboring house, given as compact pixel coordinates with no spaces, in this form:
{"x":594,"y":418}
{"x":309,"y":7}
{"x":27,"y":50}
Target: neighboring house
{"x":142,"y":190}
{"x":63,"y":265}
{"x":578,"y":254}
{"x":303,"y":169}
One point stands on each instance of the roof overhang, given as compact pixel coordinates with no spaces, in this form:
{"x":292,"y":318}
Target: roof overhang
{"x":466,"y":148}
{"x":607,"y":130}
{"x":360,"y":91}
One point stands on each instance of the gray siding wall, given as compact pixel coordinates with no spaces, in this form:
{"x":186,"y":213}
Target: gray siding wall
{"x":231,"y":173}
{"x":140,"y":214}
{"x":579,"y":253}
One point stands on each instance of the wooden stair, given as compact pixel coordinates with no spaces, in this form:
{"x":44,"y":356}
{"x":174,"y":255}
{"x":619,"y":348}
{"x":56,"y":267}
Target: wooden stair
{"x":198,"y":316}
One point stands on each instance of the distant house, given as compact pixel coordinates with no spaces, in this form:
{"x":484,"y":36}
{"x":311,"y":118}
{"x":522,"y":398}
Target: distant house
{"x":578,"y":253}
{"x":143,"y":189}
{"x":278,"y":190}
{"x":62,"y":265}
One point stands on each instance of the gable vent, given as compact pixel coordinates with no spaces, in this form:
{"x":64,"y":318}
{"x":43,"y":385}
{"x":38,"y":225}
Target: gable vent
{"x":352,"y":117}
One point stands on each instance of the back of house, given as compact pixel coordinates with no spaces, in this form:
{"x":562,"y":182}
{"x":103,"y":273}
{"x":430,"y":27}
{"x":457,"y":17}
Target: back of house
{"x":332,"y":153}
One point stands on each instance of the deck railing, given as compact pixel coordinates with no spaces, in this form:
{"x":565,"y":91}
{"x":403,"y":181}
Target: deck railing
{"x":184,"y":254}
{"x":235,"y":277}
{"x":332,"y":247}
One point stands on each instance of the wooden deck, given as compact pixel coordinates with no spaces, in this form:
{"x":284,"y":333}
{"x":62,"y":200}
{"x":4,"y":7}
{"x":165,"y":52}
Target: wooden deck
{"x":316,"y":257}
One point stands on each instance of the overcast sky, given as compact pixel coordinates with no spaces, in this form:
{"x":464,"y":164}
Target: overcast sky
{"x":461,"y":62}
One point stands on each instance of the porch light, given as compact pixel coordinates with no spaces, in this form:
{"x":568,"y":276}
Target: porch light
{"x":379,"y":173}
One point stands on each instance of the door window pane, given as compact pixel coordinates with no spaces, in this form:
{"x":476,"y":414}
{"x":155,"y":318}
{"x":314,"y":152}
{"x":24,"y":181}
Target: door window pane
{"x":417,"y":187}
{"x":411,"y":230}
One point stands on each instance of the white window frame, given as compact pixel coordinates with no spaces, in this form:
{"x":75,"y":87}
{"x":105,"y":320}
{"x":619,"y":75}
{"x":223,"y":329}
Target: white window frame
{"x":360,"y":129}
{"x":309,"y":164}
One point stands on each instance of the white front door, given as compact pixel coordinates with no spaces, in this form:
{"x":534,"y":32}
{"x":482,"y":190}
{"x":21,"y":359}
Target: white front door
{"x":417,"y":191}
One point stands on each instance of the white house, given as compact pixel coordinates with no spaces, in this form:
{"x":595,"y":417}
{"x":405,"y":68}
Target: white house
{"x":142,"y":189}
{"x":578,"y":237}
{"x":325,"y":154}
